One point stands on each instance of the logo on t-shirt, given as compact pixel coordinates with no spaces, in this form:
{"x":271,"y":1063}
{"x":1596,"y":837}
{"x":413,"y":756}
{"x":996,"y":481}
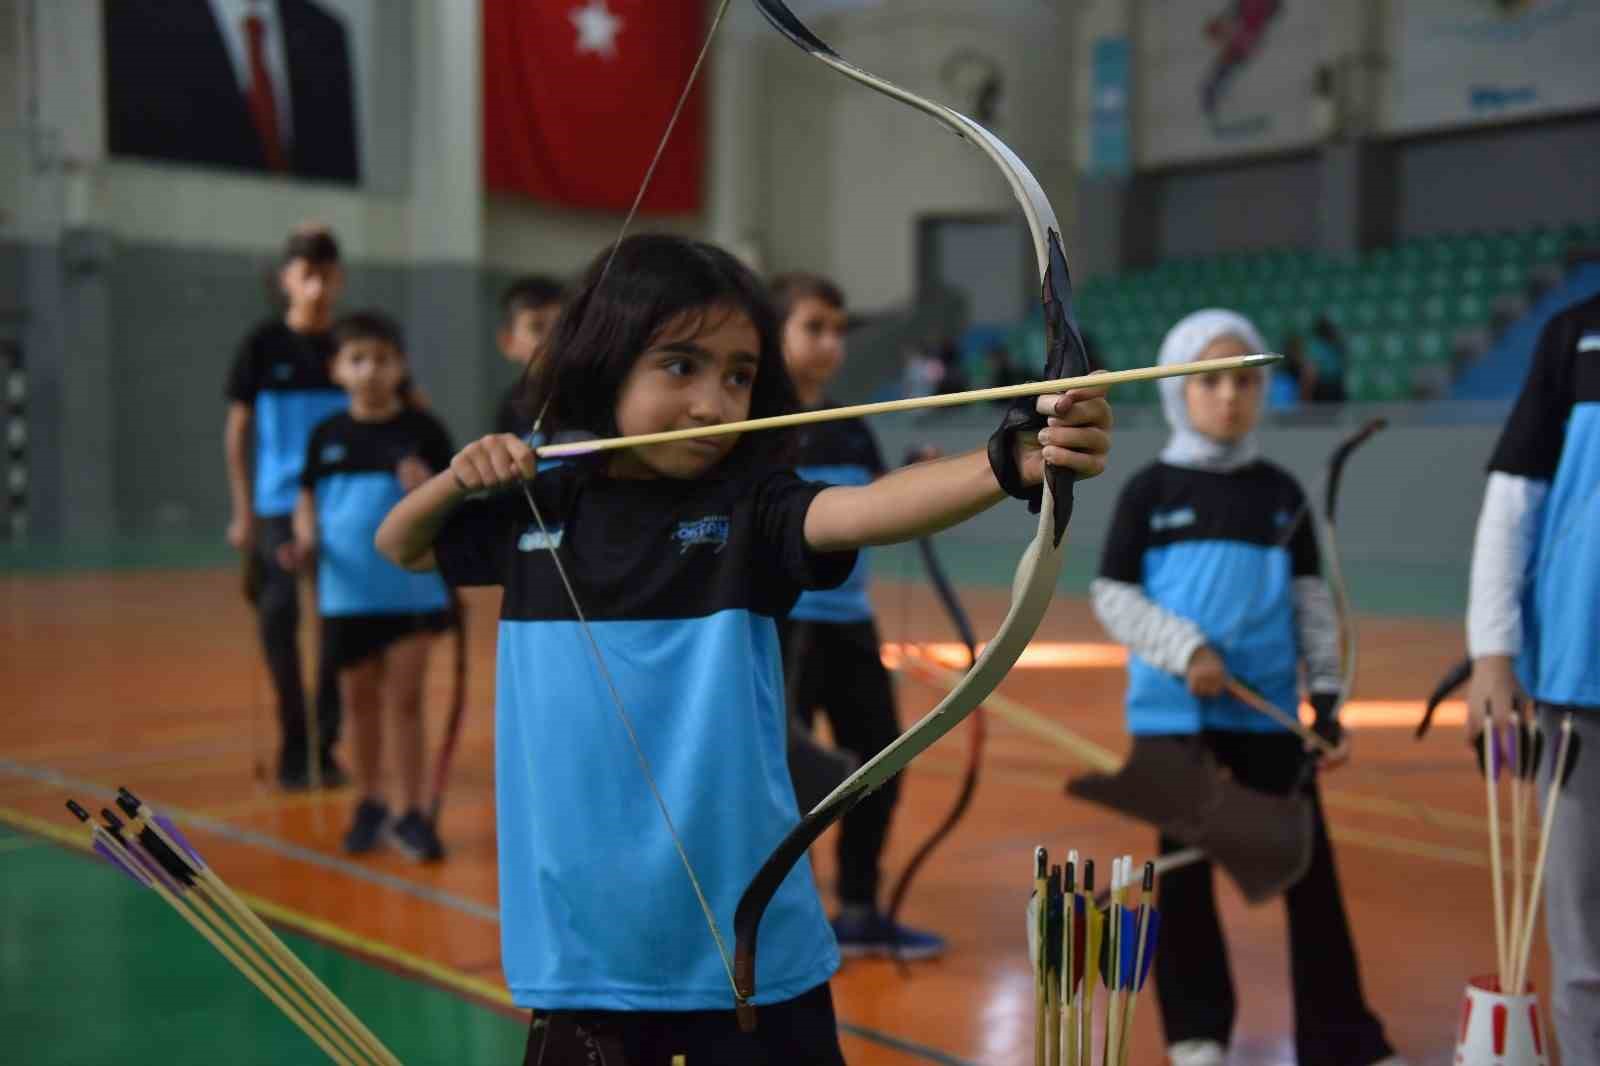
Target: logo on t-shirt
{"x":1176,"y":519}
{"x":332,"y":453}
{"x":713,"y":530}
{"x":283,"y":371}
{"x":1589,"y":342}
{"x":536,"y":539}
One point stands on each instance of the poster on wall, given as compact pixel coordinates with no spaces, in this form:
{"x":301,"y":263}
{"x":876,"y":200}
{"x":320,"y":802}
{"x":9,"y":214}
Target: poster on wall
{"x":1226,"y":77}
{"x":577,"y":93}
{"x":1457,"y":62}
{"x":270,"y":86}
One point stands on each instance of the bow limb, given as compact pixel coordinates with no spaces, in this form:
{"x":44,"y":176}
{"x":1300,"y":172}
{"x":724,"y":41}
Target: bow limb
{"x":1336,"y":581}
{"x":1037,"y":572}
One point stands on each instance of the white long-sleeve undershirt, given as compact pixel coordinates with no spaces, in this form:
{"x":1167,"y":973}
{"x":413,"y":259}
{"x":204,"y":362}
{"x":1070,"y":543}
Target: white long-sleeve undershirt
{"x":1507,"y":527}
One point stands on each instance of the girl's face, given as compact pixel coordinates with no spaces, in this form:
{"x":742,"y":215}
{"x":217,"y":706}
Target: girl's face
{"x":813,"y":343}
{"x":1224,"y":406}
{"x":699,"y":370}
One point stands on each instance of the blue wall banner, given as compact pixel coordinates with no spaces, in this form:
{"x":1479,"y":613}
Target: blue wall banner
{"x":1111,"y":86}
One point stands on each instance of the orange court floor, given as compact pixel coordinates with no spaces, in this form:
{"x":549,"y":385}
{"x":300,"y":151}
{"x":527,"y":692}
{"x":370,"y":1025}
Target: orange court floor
{"x":152,"y":680}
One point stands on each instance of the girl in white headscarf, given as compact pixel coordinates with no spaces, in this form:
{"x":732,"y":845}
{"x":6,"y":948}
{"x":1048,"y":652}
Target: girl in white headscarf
{"x":1211,"y":572}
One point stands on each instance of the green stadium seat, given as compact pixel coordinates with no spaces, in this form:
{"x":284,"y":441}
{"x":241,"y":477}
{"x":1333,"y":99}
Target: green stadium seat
{"x":1511,"y":275}
{"x":1365,"y":314}
{"x":1399,"y":311}
{"x":1432,"y":346}
{"x":1471,"y":309}
{"x":1362,"y":346}
{"x":1435,"y":309}
{"x":1439,"y":279}
{"x":1473,"y":276}
{"x":1393,"y":347}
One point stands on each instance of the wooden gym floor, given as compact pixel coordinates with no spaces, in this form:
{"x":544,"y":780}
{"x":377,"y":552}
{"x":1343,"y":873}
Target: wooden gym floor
{"x":151,"y":680}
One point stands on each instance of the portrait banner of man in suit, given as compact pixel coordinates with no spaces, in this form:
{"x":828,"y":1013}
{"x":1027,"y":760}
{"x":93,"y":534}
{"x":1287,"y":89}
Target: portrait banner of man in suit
{"x":255,"y":85}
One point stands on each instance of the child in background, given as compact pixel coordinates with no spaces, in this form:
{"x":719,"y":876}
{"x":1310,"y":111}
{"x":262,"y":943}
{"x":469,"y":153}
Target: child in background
{"x":528,"y":311}
{"x":1210,"y":571}
{"x":277,"y":391}
{"x":377,"y":619}
{"x":681,"y":557}
{"x":830,"y":639}
{"x":1531,"y":622}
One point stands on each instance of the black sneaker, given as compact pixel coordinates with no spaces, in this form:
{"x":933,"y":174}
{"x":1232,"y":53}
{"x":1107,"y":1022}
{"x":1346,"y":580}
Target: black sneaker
{"x":413,"y":834}
{"x":366,"y":828}
{"x":333,"y":775}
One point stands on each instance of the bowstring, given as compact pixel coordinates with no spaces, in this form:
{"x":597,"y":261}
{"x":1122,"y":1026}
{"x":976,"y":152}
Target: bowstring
{"x":561,"y":571}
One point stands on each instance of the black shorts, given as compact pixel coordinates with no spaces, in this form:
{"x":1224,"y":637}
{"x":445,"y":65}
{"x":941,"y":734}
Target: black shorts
{"x":352,"y":638}
{"x":797,"y":1032}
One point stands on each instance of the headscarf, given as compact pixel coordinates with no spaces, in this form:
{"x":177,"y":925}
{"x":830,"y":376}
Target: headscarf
{"x":1183,"y":344}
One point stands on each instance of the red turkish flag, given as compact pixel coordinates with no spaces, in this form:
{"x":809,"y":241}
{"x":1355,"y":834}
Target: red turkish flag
{"x":576,"y":96}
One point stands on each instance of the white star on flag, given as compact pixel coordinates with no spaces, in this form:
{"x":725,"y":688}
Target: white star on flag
{"x":597,"y":28}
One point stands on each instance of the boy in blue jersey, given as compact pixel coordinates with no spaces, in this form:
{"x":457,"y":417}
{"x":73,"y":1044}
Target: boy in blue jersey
{"x":1531,"y":624}
{"x":640,"y":736}
{"x":1210,"y":571}
{"x":377,"y":619}
{"x":277,"y":391}
{"x":528,"y":310}
{"x":830,"y":641}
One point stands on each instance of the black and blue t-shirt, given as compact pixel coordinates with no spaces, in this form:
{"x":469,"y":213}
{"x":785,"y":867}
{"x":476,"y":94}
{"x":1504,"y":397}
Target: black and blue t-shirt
{"x":282,"y":375}
{"x":839,"y":453}
{"x":1553,"y":435}
{"x":681,"y":582}
{"x":1221,"y":550}
{"x":351,"y":468}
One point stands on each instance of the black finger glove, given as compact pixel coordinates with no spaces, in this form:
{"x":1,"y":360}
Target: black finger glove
{"x":1324,"y":724}
{"x":1022,"y":415}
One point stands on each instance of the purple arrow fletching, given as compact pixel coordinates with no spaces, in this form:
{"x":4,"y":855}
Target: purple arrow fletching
{"x":179,"y":839}
{"x":105,"y":852}
{"x":1149,"y":946}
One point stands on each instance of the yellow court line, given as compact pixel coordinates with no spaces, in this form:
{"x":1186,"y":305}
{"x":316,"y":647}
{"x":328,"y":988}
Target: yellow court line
{"x":300,"y":922}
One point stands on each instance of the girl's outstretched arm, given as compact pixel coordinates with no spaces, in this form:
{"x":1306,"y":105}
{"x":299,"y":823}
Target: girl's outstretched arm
{"x":924,"y":498}
{"x":406,"y":536}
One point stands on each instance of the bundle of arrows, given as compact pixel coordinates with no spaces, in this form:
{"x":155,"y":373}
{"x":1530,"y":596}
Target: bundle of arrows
{"x":1513,"y":749}
{"x":1079,"y":946}
{"x":150,"y":849}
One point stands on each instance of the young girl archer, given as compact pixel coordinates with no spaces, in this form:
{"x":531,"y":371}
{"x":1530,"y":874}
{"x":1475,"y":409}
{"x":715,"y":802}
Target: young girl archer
{"x":680,"y":556}
{"x":1211,"y":571}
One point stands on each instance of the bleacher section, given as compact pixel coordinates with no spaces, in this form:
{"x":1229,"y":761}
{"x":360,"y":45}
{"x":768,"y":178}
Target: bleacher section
{"x":1411,"y":314}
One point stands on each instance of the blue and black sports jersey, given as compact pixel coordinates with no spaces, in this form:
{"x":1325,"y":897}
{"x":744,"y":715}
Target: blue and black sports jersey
{"x":1218,"y":550}
{"x":681,"y":582}
{"x":839,"y":453}
{"x":350,"y":466}
{"x":282,"y":375}
{"x":1553,"y":435}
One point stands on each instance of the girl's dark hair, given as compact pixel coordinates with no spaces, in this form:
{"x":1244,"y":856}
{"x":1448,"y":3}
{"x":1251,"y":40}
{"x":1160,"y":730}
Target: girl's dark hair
{"x":612,"y":316}
{"x":790,"y":289}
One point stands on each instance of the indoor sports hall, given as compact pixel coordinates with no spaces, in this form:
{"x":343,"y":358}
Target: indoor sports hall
{"x":305,"y":303}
